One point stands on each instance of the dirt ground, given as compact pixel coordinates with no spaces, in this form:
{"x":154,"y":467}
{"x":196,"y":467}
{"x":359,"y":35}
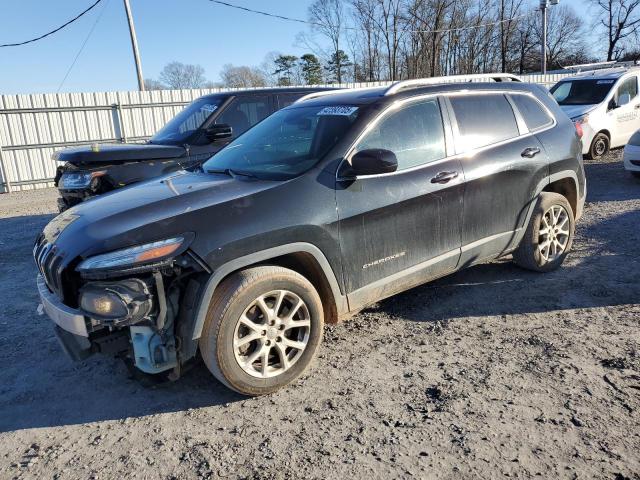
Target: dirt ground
{"x":492,"y":372}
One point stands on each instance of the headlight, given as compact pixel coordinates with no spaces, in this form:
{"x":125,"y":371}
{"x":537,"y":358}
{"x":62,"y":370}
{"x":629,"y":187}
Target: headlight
{"x":79,"y":180}
{"x":149,"y":252}
{"x":116,"y":302}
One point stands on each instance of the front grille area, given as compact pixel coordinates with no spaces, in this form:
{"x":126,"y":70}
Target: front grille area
{"x":49,"y":263}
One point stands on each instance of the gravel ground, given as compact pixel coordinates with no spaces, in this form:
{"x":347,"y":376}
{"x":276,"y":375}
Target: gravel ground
{"x":492,"y":372}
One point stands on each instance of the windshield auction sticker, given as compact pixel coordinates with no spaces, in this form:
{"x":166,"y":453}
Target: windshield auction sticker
{"x":341,"y":110}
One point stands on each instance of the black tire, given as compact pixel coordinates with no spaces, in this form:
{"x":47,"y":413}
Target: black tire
{"x":528,"y":254}
{"x":231,"y":300}
{"x":599,"y":146}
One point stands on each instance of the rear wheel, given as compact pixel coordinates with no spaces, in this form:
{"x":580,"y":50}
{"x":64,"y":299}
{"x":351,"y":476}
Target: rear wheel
{"x":599,"y":146}
{"x":262,"y":330}
{"x":549,"y":235}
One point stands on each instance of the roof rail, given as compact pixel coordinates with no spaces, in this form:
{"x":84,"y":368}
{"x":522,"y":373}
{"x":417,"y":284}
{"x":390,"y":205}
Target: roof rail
{"x":418,"y":82}
{"x":602,"y":65}
{"x":331,"y":92}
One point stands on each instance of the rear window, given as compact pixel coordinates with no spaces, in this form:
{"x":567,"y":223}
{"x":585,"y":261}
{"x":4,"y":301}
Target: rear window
{"x":534,"y":115}
{"x":483,"y":120}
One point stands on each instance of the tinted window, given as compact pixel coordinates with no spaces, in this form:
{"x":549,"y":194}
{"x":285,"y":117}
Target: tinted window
{"x":533,"y":113}
{"x":582,"y":92}
{"x":245,"y":112}
{"x":629,"y":86}
{"x":483,"y":120}
{"x":414,"y":133}
{"x":287,"y":99}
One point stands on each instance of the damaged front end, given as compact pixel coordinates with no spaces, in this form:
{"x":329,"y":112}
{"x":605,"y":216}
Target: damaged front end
{"x":132,"y":303}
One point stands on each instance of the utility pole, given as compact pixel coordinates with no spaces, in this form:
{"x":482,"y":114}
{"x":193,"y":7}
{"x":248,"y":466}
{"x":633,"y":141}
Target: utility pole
{"x":134,"y":46}
{"x":543,"y":46}
{"x":544,"y":4}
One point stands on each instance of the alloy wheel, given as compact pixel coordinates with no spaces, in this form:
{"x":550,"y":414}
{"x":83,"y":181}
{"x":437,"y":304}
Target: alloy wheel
{"x":272,"y":334}
{"x":553,"y":235}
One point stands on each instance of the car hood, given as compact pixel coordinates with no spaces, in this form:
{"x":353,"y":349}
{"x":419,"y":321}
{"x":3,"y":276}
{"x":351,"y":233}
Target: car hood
{"x":574,"y":111}
{"x":153,"y":210}
{"x":117,"y":152}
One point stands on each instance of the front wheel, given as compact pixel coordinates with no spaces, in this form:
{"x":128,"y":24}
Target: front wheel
{"x":549,"y":235}
{"x":262,"y":330}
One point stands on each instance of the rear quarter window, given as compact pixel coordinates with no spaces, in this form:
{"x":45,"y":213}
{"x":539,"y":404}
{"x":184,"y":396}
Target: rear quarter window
{"x":483,"y":120}
{"x":535,"y":116}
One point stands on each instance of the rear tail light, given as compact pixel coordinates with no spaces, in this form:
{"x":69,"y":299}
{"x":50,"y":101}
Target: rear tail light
{"x":579,"y":130}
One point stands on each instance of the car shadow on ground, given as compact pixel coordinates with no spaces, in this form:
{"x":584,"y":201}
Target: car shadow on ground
{"x":602,"y":270}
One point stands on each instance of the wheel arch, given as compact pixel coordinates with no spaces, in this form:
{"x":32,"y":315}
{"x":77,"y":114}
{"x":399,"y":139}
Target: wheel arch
{"x":304,"y":258}
{"x":568,"y":188}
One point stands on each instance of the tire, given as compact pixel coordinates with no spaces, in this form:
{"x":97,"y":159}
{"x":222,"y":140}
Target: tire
{"x":599,"y":146}
{"x":529,"y":253}
{"x":297,"y":338}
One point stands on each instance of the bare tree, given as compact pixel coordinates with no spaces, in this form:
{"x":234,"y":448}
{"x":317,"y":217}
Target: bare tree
{"x":242,"y":76}
{"x":507,"y":11}
{"x":327,"y":17}
{"x":564,"y":36}
{"x":179,"y":75}
{"x":151,"y":84}
{"x":364,"y":14}
{"x":621,"y":20}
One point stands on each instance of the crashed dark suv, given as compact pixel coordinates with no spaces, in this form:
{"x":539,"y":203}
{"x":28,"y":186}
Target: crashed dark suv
{"x":191,"y":137}
{"x":329,"y":205}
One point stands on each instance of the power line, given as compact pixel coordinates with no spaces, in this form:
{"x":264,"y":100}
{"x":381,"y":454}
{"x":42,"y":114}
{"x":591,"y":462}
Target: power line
{"x":93,"y":27}
{"x":52,"y":31}
{"x":307,"y":22}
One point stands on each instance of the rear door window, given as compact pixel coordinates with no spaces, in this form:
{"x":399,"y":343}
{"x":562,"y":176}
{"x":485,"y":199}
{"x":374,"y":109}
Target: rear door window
{"x":533,"y":113}
{"x":245,"y":112}
{"x":483,"y":120}
{"x":286,"y":99}
{"x":415,"y":134}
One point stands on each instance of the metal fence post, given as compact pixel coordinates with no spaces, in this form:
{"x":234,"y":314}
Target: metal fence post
{"x":4,"y":174}
{"x":118,"y":123}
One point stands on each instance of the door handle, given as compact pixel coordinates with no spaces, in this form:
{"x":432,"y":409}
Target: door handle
{"x":444,"y":177}
{"x":530,"y":152}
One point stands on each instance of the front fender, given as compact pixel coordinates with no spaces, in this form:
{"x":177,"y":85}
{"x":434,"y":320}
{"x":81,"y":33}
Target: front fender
{"x":261,"y":256}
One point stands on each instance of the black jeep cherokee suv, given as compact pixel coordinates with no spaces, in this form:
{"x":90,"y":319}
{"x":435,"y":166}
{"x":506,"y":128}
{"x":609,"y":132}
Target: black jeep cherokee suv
{"x":330,"y":204}
{"x":191,"y":137}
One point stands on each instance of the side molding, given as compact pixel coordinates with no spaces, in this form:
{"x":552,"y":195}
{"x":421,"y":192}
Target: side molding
{"x":257,"y":257}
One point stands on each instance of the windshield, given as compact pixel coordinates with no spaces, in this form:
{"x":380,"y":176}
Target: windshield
{"x":286,"y":144}
{"x":187,"y":122}
{"x":582,"y":92}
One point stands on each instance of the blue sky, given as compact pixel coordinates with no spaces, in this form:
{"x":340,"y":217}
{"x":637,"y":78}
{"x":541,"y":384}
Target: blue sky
{"x":190,"y":31}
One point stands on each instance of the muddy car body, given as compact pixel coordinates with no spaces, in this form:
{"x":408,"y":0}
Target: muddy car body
{"x":187,"y":140}
{"x":331,"y":204}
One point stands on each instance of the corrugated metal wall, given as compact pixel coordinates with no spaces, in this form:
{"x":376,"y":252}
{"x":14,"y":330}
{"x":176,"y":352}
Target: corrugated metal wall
{"x":32,"y":127}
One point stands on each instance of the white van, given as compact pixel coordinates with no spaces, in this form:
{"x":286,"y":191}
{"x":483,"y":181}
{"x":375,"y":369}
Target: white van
{"x":605,"y":103}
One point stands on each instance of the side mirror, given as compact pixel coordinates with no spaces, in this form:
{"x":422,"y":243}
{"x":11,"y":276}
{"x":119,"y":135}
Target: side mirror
{"x":373,"y":161}
{"x":218,"y":131}
{"x":624,"y":99}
